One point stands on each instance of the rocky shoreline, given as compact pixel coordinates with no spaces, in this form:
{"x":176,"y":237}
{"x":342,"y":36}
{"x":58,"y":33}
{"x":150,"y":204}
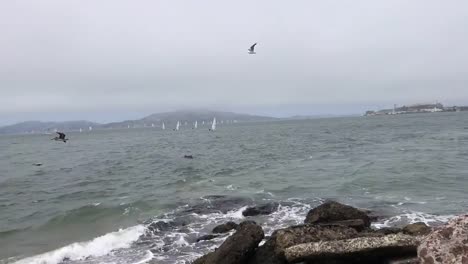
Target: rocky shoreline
{"x":337,"y":234}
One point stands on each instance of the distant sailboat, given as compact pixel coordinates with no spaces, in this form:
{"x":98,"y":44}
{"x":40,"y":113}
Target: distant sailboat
{"x":177,"y":126}
{"x":195,"y":125}
{"x":152,"y":125}
{"x":81,"y":130}
{"x":221,"y":121}
{"x":203,"y":123}
{"x":90,"y":128}
{"x":213,"y":125}
{"x":163,"y":126}
{"x":128,"y":126}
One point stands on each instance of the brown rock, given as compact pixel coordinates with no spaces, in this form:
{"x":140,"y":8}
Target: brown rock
{"x":354,"y":250}
{"x":238,"y":248}
{"x":446,"y":245}
{"x":310,"y":233}
{"x":333,"y":211}
{"x":417,"y":229}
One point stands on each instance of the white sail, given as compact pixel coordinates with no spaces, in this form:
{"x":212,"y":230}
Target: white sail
{"x":213,"y":125}
{"x":221,"y":121}
{"x":196,"y":125}
{"x":203,"y":123}
{"x":90,"y":128}
{"x":152,"y":125}
{"x":128,"y":126}
{"x":163,"y":126}
{"x":81,"y":130}
{"x":177,"y":126}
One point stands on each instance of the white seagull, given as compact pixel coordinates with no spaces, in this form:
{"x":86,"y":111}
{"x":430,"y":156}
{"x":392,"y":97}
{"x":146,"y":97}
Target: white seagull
{"x":252,"y":49}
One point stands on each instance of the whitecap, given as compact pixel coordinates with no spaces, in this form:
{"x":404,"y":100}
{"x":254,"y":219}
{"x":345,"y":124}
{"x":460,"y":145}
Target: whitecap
{"x":99,"y":246}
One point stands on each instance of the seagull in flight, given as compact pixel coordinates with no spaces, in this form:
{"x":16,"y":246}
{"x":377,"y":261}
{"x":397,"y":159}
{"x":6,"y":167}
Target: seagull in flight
{"x":252,"y":49}
{"x":61,"y":137}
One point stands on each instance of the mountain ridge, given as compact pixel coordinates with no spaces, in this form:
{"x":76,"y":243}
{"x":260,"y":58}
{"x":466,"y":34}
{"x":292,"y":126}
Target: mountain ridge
{"x":169,"y":118}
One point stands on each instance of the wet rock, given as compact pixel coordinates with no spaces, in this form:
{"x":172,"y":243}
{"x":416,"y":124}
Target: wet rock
{"x":265,"y":254}
{"x":404,"y":261}
{"x":224,"y":228}
{"x":332,"y":211}
{"x":295,"y":235}
{"x":357,"y":224}
{"x":417,"y":229}
{"x":447,"y":244}
{"x":389,"y":230}
{"x":206,"y":237}
{"x":354,"y":250}
{"x":238,"y":248}
{"x":265,"y":209}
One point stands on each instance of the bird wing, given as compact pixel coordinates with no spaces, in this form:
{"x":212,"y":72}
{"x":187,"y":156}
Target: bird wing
{"x":253,"y":47}
{"x":61,"y":135}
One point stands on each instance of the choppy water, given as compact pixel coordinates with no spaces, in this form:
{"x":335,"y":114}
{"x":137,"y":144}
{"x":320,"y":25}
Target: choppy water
{"x":94,"y":197}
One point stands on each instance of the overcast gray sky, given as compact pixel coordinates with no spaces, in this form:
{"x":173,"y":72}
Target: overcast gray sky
{"x":110,"y":59}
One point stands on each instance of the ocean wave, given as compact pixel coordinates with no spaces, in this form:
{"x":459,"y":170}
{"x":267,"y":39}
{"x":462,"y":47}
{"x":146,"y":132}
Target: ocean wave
{"x":99,"y":246}
{"x":412,"y":217}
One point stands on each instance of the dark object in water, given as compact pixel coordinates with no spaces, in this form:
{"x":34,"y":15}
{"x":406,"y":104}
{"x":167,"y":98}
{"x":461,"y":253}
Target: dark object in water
{"x":224,"y":228}
{"x":37,"y":164}
{"x":188,"y":156}
{"x":61,"y":137}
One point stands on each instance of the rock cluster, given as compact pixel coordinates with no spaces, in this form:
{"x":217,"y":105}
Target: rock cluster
{"x":337,"y":234}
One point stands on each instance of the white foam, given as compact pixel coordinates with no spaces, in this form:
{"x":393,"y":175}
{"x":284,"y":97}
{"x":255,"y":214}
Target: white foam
{"x":413,"y":217}
{"x":99,"y":246}
{"x":149,"y":256}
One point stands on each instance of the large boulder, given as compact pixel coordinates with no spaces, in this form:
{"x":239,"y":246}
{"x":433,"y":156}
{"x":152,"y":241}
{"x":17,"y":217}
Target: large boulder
{"x":224,"y":228}
{"x":238,"y":248}
{"x":265,"y":254}
{"x":265,"y":209}
{"x":331,"y":211}
{"x":417,"y":229}
{"x":355,"y":250}
{"x":446,"y":245}
{"x":310,"y":233}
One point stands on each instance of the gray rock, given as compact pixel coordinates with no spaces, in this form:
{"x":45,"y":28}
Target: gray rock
{"x":357,"y":224}
{"x":265,"y":209}
{"x":265,"y":254}
{"x":389,"y":230}
{"x":224,"y":228}
{"x":446,"y":245}
{"x":238,"y":248}
{"x":310,"y":233}
{"x":355,"y":250}
{"x":333,"y":211}
{"x":417,"y":229}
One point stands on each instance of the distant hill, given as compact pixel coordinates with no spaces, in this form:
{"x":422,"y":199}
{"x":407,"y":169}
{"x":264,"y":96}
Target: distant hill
{"x":169,"y":118}
{"x":45,"y":127}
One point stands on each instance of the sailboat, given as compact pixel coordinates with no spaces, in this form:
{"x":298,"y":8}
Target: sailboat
{"x":81,"y":130}
{"x":90,"y":128}
{"x":203,"y":123}
{"x":177,"y":126}
{"x":195,"y":125}
{"x":152,"y":125}
{"x":213,"y":125}
{"x":163,"y":126}
{"x":128,"y":126}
